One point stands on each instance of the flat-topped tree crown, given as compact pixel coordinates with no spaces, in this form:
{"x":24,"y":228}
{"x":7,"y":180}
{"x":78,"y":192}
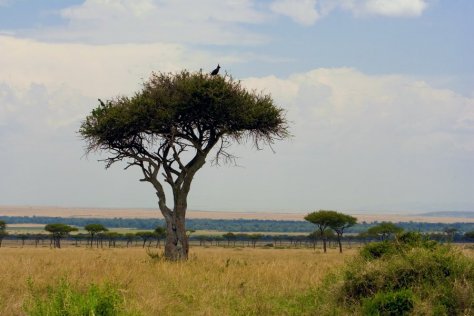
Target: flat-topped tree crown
{"x":192,"y":107}
{"x":169,"y":128}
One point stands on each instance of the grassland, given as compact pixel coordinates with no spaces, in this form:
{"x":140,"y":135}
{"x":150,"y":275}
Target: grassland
{"x":215,"y":281}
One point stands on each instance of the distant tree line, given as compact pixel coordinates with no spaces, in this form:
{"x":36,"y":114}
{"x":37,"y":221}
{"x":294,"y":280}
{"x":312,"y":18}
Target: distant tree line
{"x":329,"y":232}
{"x":232,"y":225}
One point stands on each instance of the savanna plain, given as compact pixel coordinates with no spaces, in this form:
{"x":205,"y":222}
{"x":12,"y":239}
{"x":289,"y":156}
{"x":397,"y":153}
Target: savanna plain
{"x":214,"y":281}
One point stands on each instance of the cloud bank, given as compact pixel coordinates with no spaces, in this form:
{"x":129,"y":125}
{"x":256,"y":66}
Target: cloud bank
{"x":360,"y":141}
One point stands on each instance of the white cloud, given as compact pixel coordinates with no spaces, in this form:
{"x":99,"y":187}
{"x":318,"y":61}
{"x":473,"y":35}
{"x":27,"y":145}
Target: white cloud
{"x":381,"y":108}
{"x":218,"y":22}
{"x":307,"y":12}
{"x":392,"y":7}
{"x":303,"y":11}
{"x":98,"y":70}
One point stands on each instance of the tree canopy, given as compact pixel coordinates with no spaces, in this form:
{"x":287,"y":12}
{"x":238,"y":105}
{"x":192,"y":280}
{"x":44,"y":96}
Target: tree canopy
{"x":94,"y":229}
{"x":59,"y":231}
{"x":169,"y":128}
{"x":384,"y":230}
{"x":338,"y":222}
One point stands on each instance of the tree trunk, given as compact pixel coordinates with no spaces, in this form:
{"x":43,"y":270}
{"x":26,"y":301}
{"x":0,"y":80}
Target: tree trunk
{"x":176,"y":245}
{"x":324,"y":244}
{"x":340,"y":244}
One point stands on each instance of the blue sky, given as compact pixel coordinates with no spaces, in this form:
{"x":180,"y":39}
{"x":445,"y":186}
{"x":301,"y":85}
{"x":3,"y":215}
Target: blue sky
{"x":379,"y":92}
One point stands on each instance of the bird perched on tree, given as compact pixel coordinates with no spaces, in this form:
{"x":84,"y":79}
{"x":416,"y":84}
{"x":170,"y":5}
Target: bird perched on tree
{"x":216,"y":71}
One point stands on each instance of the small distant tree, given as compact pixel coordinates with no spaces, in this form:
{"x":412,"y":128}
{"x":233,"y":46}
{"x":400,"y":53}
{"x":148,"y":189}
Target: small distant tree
{"x":340,"y":223}
{"x":23,"y":238}
{"x":160,"y":233}
{"x":230,"y":237}
{"x":384,"y":230}
{"x":276,"y":239}
{"x":58,"y":231}
{"x":254,"y":238}
{"x":202,"y":239}
{"x":322,"y":219}
{"x":146,"y":237}
{"x":130,"y":237}
{"x":93,"y":230}
{"x":469,"y":235}
{"x":78,"y":238}
{"x":37,"y":238}
{"x":313,"y":238}
{"x":3,"y":231}
{"x":112,"y":238}
{"x":450,"y":232}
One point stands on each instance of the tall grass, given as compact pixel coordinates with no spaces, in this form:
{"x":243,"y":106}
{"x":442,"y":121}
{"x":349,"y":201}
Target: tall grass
{"x":215,"y":281}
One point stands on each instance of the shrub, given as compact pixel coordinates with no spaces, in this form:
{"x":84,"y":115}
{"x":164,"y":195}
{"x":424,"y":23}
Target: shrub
{"x":63,"y":300}
{"x":410,"y":270}
{"x":376,"y":250}
{"x":389,"y":303}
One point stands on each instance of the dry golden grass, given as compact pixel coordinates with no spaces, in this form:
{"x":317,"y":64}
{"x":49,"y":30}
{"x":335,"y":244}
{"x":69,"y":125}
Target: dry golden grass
{"x":215,"y":281}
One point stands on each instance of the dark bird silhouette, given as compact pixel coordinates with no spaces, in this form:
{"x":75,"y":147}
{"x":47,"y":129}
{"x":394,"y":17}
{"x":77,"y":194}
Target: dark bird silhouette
{"x":216,"y":71}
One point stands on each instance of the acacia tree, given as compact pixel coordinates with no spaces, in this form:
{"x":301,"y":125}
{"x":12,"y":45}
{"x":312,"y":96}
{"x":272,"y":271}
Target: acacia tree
{"x":93,"y":230}
{"x":322,"y":219}
{"x":384,"y":230}
{"x":230,"y":237}
{"x":254,"y":238}
{"x":170,"y":127}
{"x":58,"y":231}
{"x":112,"y":238}
{"x":3,"y":231}
{"x":130,"y":237}
{"x":450,"y":232}
{"x":340,"y":223}
{"x":146,"y":237}
{"x":160,"y":233}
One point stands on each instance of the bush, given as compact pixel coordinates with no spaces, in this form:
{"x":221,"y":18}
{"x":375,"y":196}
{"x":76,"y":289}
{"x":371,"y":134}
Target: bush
{"x":376,"y":250}
{"x":63,"y":300}
{"x":389,"y":304}
{"x":410,"y":270}
{"x":402,"y":242}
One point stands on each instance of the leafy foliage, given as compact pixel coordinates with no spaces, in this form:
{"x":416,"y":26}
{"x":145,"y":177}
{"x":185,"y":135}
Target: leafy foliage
{"x":384,"y":230}
{"x":332,"y":219}
{"x":95,"y":228}
{"x":64,"y":300}
{"x":178,"y":105}
{"x":58,"y":231}
{"x":408,"y":274}
{"x":396,"y":303}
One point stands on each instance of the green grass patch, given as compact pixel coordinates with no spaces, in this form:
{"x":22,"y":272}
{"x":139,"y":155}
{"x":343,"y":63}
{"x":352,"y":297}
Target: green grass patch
{"x":65,"y":300}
